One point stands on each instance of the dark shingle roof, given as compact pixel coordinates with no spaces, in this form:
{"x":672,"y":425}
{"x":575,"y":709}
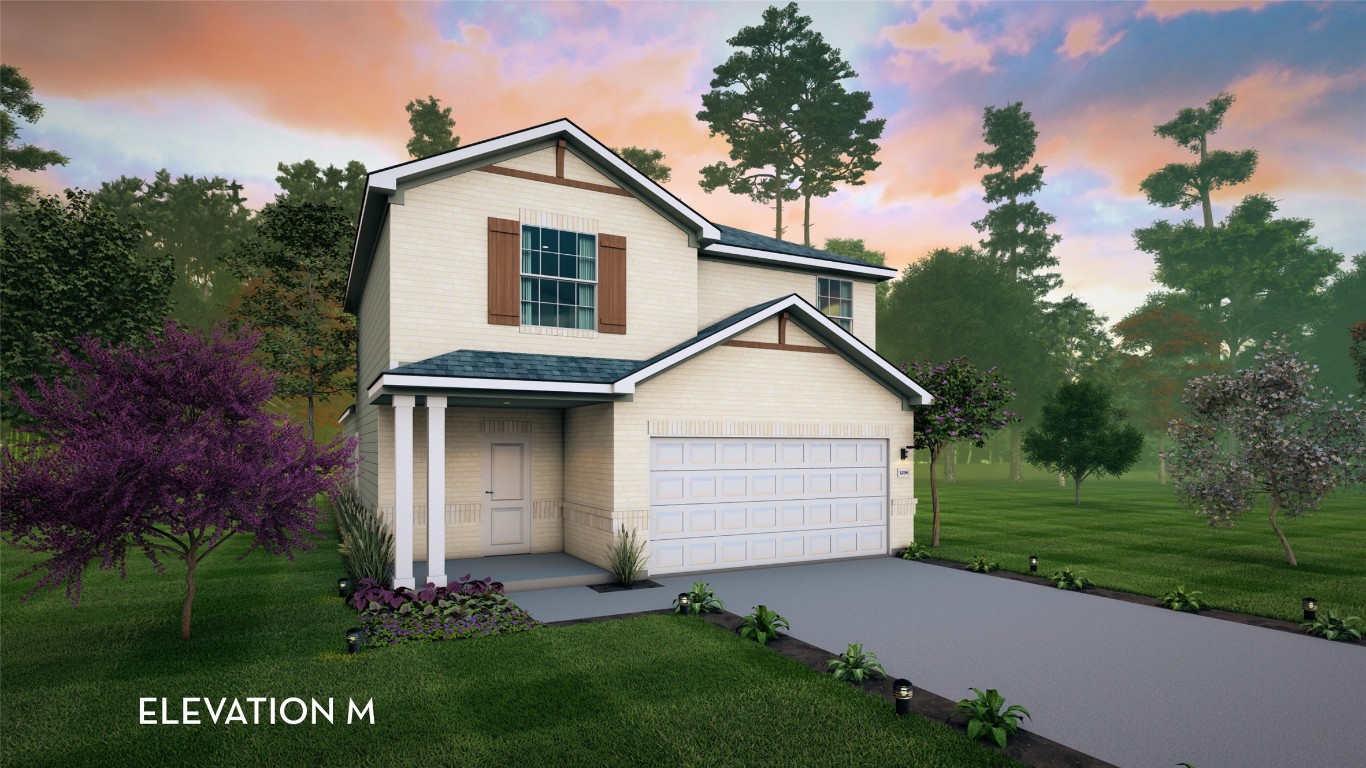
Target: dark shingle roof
{"x":742,"y":239}
{"x":476,"y":364}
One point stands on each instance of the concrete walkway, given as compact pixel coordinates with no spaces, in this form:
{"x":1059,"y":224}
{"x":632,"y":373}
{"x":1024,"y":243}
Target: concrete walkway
{"x":1133,"y":685}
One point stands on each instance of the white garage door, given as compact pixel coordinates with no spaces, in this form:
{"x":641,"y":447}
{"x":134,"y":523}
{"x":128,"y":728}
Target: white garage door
{"x":734,"y":502}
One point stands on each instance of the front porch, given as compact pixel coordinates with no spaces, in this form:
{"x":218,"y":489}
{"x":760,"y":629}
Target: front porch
{"x":542,"y":570}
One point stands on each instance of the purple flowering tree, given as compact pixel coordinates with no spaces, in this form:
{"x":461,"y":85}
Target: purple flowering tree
{"x":968,"y":406}
{"x":165,"y":449}
{"x":1265,"y":431}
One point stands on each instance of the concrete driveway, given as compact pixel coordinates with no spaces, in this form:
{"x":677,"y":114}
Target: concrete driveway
{"x":1133,"y":685}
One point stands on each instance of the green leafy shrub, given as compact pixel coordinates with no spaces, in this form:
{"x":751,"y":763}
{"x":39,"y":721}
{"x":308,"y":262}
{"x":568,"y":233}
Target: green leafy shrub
{"x":981,"y":564}
{"x":987,"y":715}
{"x":701,"y":599}
{"x":1066,"y":579}
{"x":1181,"y":600}
{"x":626,"y":555}
{"x":855,"y":665}
{"x":1332,"y":627}
{"x":913,"y":551}
{"x":762,"y":625}
{"x":367,"y":544}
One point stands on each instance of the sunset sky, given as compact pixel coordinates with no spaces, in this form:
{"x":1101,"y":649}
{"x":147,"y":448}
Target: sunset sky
{"x":233,"y":88}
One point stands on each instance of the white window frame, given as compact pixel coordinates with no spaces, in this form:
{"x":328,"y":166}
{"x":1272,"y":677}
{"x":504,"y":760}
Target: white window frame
{"x":595,"y":282}
{"x":845,"y":322}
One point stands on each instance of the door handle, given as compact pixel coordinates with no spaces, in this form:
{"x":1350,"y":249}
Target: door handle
{"x":489,"y":492}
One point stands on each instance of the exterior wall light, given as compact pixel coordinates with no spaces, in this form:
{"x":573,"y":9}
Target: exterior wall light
{"x":1311,"y":608}
{"x":684,"y":602}
{"x":353,"y":638}
{"x":901,"y":695}
{"x":343,"y":587}
{"x":1033,"y":563}
{"x":906,"y":452}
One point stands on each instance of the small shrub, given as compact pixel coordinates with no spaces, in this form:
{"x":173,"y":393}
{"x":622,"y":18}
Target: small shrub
{"x":981,"y":564}
{"x":855,"y":665}
{"x":367,"y":544}
{"x":987,"y":715}
{"x":626,"y":555}
{"x":913,"y":551}
{"x":701,"y":599}
{"x":462,"y":608}
{"x":1181,"y":600}
{"x":1332,"y":627}
{"x":1066,"y":579}
{"x":762,"y":625}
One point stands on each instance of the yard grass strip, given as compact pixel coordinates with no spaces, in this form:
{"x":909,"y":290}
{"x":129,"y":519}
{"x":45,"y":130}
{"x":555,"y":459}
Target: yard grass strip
{"x":652,"y":690}
{"x":1130,"y":534}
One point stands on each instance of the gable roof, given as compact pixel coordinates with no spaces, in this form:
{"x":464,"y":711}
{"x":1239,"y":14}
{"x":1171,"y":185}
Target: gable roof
{"x":713,"y":239}
{"x":481,"y":370}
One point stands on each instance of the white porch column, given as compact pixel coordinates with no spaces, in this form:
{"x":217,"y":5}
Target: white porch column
{"x":403,"y":491}
{"x":436,"y":490}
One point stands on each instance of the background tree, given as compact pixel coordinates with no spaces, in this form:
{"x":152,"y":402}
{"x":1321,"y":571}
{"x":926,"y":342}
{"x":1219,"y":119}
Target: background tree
{"x":969,"y":404}
{"x":299,"y":257}
{"x":17,"y":103}
{"x":433,"y":128}
{"x":1358,"y":352}
{"x":793,"y":128}
{"x":71,"y":269}
{"x":1252,"y":275}
{"x":1330,"y":339}
{"x":165,"y":450}
{"x":1186,"y":184}
{"x":1265,"y":431}
{"x":648,"y":161}
{"x":855,"y":249}
{"x":197,"y":221}
{"x":1162,"y":345}
{"x":1082,"y":433}
{"x":1016,"y":229}
{"x":305,"y":182}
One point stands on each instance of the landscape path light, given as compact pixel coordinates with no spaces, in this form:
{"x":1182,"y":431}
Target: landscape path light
{"x":902,"y":690}
{"x":343,"y":586}
{"x":1033,"y":563}
{"x":684,"y":602}
{"x":353,"y":637}
{"x":1311,"y":608}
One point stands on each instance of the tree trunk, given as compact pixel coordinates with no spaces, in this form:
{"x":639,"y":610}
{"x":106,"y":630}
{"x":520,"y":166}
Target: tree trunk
{"x":1015,"y":453}
{"x":190,"y":563}
{"x":806,"y":222}
{"x":1076,"y":484}
{"x":778,"y":199}
{"x":1276,"y":526}
{"x":934,"y":498}
{"x":968,"y":460}
{"x":1062,"y":480}
{"x":311,"y":437}
{"x":950,"y":473}
{"x":1204,"y":191}
{"x":1161,"y":459}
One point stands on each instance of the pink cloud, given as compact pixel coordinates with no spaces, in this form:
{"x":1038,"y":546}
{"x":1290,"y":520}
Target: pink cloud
{"x":932,"y":35}
{"x":1170,"y":9}
{"x":1085,"y":38}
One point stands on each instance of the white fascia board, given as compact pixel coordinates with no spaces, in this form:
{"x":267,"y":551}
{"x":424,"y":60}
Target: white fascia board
{"x":707,"y":343}
{"x":349,"y":412}
{"x":863,"y":350}
{"x":507,"y":385}
{"x":825,"y":265}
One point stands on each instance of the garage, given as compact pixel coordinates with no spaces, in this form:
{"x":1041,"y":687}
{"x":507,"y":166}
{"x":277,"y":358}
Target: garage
{"x":720,"y":503}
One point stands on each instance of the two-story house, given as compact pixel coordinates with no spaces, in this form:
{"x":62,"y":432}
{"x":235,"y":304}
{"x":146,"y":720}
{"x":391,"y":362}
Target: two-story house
{"x":553,"y":346}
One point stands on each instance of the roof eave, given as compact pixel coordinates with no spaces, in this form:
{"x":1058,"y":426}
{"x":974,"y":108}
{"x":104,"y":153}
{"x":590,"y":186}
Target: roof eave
{"x":867,"y":272}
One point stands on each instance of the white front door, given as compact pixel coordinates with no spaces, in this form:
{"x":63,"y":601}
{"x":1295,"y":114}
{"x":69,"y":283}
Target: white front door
{"x":507,"y":494}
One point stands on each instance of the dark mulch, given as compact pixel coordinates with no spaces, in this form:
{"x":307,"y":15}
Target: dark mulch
{"x":642,"y":584}
{"x":1129,"y":597}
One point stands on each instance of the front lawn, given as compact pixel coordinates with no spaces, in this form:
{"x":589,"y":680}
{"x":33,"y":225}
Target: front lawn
{"x":1131,"y":534}
{"x":653,"y":690}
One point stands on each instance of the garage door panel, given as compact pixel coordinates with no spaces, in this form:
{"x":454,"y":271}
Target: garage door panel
{"x":732,"y":502}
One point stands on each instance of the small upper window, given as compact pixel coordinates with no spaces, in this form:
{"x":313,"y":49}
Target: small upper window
{"x":836,"y":300}
{"x":559,"y":278}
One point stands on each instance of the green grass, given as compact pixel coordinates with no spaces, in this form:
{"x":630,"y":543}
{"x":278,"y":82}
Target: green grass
{"x":1131,"y":534}
{"x":653,"y":690}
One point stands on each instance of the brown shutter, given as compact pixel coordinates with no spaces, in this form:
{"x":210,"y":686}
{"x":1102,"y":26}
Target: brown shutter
{"x":611,"y":284}
{"x":505,"y":271}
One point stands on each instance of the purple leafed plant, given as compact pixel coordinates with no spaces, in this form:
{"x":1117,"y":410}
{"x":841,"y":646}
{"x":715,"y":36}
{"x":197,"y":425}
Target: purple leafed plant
{"x":167,"y":449}
{"x":462,"y":608}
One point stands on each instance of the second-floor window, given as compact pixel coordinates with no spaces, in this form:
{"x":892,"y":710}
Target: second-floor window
{"x":559,"y":278}
{"x":836,"y":300}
